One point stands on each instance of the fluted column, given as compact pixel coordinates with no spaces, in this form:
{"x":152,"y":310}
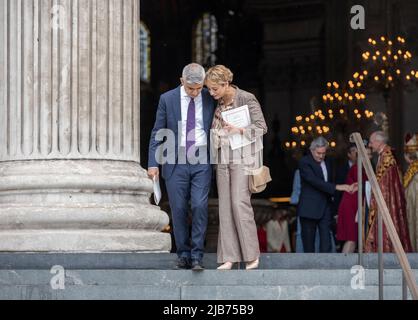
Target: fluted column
{"x":70,"y":174}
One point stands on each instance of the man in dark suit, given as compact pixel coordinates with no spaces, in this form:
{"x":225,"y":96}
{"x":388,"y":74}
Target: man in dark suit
{"x":317,"y":190}
{"x":180,"y":144}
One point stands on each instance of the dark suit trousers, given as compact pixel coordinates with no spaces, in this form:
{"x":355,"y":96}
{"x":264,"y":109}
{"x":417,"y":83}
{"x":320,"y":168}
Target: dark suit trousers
{"x":309,"y":231}
{"x":189,"y":182}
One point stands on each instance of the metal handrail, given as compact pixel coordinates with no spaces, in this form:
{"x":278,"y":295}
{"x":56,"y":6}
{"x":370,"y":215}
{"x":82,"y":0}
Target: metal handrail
{"x":383,"y":217}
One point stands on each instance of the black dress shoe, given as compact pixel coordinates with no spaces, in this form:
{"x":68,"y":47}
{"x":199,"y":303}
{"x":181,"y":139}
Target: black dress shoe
{"x":197,"y":266}
{"x":183,"y":263}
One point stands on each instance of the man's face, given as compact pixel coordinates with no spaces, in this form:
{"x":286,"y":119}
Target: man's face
{"x":374,"y":144}
{"x":192,"y":90}
{"x":352,"y":154}
{"x":319,"y":154}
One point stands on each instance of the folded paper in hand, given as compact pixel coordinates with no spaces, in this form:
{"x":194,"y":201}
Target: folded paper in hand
{"x":240,"y":118}
{"x":157,"y":190}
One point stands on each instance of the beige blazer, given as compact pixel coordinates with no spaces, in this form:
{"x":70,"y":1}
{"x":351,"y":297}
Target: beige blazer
{"x":251,"y":153}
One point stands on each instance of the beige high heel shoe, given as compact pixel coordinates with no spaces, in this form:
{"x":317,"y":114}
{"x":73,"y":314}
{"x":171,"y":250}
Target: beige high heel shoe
{"x":252,"y":265}
{"x":226,"y":266}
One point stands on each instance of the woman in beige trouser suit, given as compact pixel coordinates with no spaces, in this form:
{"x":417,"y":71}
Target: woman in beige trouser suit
{"x":237,"y":240}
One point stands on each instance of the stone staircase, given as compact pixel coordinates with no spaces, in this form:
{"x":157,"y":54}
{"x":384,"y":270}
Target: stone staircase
{"x":152,"y":276}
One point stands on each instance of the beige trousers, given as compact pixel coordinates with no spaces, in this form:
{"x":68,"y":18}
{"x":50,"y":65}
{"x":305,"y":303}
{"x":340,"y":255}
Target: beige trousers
{"x":237,"y":239}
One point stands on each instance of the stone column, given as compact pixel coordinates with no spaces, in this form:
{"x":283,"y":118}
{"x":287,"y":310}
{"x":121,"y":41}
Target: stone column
{"x":70,"y":174}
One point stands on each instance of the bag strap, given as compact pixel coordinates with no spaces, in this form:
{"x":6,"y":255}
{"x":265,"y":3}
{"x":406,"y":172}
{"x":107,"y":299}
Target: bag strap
{"x":260,"y":156}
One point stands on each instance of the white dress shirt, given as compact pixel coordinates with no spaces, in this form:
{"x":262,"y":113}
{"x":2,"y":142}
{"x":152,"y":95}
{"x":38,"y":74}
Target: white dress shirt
{"x":200,"y":128}
{"x":324,"y":170}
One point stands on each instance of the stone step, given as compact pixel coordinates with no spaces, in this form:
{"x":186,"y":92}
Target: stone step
{"x":136,"y":292}
{"x":166,"y":261}
{"x":151,"y":276}
{"x":207,"y":285}
{"x":179,"y":278}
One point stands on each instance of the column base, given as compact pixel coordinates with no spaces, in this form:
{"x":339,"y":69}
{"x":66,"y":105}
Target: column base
{"x":79,"y":206}
{"x":82,"y":241}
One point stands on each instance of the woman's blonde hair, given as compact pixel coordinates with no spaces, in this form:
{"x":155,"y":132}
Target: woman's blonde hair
{"x":220,"y":75}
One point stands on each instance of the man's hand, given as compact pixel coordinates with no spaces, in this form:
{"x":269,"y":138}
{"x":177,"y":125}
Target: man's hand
{"x":153,"y":172}
{"x":347,"y":188}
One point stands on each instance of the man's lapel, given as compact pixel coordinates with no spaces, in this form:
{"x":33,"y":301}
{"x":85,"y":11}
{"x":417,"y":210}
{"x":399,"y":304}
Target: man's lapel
{"x":328,"y":164}
{"x":206,"y":111}
{"x":317,"y":168}
{"x":177,"y":105}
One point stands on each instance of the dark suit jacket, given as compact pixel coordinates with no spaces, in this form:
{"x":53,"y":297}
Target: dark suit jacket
{"x":168,"y":117}
{"x":316,"y":194}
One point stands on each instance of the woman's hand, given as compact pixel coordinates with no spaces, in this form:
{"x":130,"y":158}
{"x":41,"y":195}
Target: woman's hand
{"x":231,"y":130}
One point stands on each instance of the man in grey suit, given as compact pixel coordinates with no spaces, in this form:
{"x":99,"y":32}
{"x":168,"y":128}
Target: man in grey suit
{"x":185,"y":114}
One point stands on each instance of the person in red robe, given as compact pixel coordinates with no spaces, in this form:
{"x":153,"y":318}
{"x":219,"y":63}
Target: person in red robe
{"x":261,"y":221}
{"x":389,"y":179}
{"x":347,"y":226}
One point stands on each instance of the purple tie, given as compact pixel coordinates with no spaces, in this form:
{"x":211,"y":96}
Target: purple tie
{"x":190,"y":127}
